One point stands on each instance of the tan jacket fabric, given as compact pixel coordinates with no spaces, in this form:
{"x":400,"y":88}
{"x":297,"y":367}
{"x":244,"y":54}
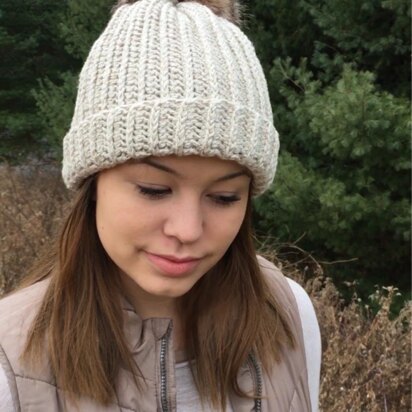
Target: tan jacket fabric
{"x":285,"y":389}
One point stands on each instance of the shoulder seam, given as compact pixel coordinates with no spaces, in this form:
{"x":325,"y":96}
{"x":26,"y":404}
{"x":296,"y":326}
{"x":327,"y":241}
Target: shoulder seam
{"x":11,"y":379}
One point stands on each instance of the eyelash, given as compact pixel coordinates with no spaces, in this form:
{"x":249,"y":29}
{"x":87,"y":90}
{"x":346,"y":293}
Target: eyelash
{"x":156,"y":194}
{"x":225,"y":200}
{"x":153,"y":193}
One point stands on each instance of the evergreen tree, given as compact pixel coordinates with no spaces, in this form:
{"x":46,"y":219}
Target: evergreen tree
{"x":30,"y":50}
{"x":78,"y":28}
{"x":341,"y":104}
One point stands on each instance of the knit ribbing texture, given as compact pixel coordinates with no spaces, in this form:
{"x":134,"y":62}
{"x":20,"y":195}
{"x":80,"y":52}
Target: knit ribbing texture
{"x":171,"y":79}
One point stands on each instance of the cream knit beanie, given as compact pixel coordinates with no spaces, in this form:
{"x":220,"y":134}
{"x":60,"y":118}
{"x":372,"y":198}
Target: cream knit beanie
{"x":168,"y":77}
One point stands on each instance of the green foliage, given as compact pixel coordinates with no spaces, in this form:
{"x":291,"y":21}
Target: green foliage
{"x":82,"y":24}
{"x":343,"y":113}
{"x":373,"y":34}
{"x":45,"y":43}
{"x":30,"y":49}
{"x":55,"y":103}
{"x":78,"y":28}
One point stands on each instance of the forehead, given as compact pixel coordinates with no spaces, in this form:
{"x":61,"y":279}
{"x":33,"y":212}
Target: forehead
{"x":195,"y":162}
{"x":186,"y":167}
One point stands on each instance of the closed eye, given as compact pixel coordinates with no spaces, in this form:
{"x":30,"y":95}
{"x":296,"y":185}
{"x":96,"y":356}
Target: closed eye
{"x":224,"y":200}
{"x":157,"y":193}
{"x":153,"y":193}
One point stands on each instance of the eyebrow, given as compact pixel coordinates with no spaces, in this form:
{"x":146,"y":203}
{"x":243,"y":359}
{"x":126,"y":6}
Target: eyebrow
{"x":167,"y":169}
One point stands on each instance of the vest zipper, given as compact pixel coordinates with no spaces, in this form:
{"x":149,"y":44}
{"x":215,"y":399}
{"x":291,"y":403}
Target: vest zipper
{"x":164,"y":343}
{"x":259,"y":383}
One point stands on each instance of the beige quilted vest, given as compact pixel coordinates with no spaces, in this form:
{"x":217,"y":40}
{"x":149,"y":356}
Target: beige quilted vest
{"x":285,"y":389}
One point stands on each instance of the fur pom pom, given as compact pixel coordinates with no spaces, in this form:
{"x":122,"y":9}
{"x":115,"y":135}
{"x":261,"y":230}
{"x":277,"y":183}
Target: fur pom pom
{"x":228,"y":9}
{"x":121,"y":3}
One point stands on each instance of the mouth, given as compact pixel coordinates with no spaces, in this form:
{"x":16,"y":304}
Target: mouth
{"x":173,"y":265}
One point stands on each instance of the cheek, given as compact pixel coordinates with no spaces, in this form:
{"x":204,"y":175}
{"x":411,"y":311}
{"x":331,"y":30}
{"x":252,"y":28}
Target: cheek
{"x":124,"y":223}
{"x":226,"y":228}
{"x":114,"y":222}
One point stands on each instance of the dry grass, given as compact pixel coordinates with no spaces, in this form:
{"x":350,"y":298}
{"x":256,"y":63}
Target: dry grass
{"x":32,"y":200}
{"x":366,"y":355}
{"x":366,"y":363}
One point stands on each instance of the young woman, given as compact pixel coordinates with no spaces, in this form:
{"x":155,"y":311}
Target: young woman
{"x":153,"y":298}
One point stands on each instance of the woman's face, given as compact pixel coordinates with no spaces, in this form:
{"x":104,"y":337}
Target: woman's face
{"x":165,"y":221}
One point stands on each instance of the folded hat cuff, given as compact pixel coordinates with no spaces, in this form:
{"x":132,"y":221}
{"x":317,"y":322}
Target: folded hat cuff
{"x":182,"y":127}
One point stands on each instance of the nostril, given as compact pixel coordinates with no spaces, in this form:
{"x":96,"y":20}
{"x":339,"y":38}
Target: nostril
{"x":187,"y":226}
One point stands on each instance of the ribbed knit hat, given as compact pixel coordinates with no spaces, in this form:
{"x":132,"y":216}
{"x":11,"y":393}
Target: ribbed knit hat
{"x":171,"y":78}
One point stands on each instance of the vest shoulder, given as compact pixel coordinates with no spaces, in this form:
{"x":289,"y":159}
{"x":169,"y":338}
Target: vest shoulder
{"x":293,"y":371}
{"x":277,"y":281}
{"x":269,"y":269}
{"x":22,"y":304}
{"x":281,"y":290}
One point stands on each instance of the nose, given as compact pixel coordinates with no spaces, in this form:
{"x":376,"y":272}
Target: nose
{"x":185,"y":221}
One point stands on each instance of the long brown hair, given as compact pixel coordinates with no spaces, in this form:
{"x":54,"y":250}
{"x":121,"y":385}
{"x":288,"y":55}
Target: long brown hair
{"x":81,"y":320}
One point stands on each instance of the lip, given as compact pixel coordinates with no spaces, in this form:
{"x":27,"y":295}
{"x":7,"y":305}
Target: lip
{"x":175,"y":258}
{"x":172,"y":265}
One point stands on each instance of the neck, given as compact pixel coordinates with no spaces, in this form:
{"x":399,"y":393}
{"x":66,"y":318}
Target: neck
{"x":148,"y":306}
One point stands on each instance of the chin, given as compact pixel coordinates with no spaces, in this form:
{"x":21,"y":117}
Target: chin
{"x":175,"y":291}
